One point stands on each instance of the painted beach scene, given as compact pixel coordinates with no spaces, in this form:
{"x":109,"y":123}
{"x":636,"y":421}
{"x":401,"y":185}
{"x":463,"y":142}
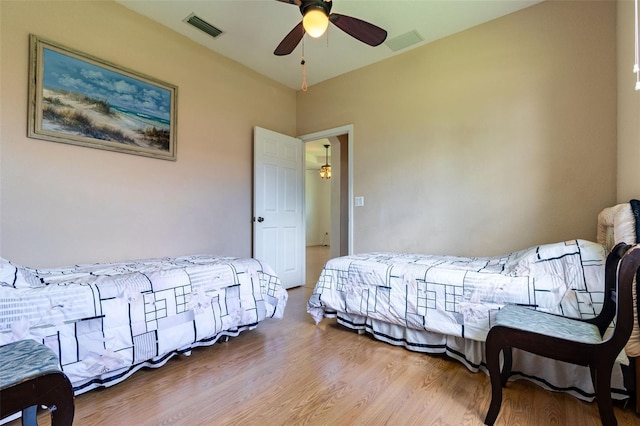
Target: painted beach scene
{"x":83,"y":99}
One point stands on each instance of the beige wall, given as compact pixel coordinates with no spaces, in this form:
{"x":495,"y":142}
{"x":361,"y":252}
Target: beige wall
{"x":628,"y":108}
{"x":494,"y":139}
{"x":63,"y":204}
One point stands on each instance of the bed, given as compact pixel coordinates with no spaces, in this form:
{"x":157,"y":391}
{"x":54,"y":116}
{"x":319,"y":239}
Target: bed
{"x":445,"y":304}
{"x":106,"y":321}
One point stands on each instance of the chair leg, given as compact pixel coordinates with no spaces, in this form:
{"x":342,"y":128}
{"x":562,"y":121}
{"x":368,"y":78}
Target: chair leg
{"x":53,"y":390}
{"x":492,"y":352}
{"x":30,"y":416}
{"x":506,"y":367}
{"x":57,"y":391}
{"x":602,"y":386}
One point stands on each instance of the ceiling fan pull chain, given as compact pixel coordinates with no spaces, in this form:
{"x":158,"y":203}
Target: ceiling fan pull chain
{"x":304,"y":70}
{"x":304,"y":75}
{"x":327,"y":37}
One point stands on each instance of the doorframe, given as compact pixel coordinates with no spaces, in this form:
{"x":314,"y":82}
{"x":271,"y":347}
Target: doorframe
{"x":324,"y":134}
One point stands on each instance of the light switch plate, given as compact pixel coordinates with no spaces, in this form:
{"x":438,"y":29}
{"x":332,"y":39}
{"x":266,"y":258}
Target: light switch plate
{"x":359,"y":201}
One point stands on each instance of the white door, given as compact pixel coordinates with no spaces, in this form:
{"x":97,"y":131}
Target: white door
{"x":278,"y":204}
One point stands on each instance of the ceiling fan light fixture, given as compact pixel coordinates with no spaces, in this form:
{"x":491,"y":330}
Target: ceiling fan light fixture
{"x":315,"y":21}
{"x":316,"y":15}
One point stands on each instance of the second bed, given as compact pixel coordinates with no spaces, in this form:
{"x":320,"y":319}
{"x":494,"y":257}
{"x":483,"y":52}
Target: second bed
{"x":445,"y":304}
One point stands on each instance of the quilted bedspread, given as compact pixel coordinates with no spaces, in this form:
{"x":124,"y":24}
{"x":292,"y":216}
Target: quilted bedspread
{"x":105,"y":321}
{"x":459,"y":296}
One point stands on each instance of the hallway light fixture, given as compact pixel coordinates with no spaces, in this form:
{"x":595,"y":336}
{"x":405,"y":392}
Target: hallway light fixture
{"x":325,"y":171}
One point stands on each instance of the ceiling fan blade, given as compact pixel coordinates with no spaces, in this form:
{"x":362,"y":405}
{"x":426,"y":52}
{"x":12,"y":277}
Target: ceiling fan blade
{"x":290,"y":41}
{"x":296,"y":2}
{"x":359,"y":29}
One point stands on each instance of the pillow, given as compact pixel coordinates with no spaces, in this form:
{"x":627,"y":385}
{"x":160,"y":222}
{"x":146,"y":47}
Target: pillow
{"x":586,"y":252}
{"x":15,"y":276}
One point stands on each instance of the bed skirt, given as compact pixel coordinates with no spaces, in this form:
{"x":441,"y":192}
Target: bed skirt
{"x":548,"y":373}
{"x":114,"y":377}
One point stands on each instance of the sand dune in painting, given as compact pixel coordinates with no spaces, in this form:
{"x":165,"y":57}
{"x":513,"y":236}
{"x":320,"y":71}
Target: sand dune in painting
{"x":75,"y":114}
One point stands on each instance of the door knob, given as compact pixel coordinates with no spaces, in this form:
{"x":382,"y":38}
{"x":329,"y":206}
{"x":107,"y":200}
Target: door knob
{"x":260,"y":219}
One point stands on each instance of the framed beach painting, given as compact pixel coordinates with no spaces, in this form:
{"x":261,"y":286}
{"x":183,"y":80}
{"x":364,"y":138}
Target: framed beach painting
{"x":78,"y":99}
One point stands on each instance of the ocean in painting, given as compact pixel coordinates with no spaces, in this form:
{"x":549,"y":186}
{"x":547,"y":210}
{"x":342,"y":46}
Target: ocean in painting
{"x":160,"y":122}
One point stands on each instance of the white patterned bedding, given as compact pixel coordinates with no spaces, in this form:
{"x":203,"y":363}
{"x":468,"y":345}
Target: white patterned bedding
{"x":445,"y":304}
{"x":458,"y":296}
{"x":106,"y":321}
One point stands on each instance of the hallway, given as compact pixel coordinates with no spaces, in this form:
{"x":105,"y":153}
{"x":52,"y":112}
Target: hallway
{"x":317,"y":256}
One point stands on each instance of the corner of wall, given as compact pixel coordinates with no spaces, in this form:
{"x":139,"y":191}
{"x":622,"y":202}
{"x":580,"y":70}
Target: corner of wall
{"x":628,"y":106}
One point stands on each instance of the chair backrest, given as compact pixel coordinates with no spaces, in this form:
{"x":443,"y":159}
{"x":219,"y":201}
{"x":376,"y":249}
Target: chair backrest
{"x":621,"y":269}
{"x":610,"y":305}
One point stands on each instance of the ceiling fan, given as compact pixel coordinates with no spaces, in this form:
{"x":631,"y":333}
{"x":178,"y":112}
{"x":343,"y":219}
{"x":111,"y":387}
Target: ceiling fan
{"x":316,"y":15}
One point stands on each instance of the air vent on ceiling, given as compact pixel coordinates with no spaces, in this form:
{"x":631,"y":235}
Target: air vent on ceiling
{"x":404,"y":40}
{"x":203,"y":25}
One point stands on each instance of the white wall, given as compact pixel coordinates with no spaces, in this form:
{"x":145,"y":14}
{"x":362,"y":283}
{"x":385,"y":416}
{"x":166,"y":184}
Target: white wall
{"x":318,"y":209}
{"x":628,"y":107}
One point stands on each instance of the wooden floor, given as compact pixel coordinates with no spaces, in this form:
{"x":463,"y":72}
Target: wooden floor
{"x":292,"y":372}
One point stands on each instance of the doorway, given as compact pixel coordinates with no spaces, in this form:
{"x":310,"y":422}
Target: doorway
{"x":328,"y":202}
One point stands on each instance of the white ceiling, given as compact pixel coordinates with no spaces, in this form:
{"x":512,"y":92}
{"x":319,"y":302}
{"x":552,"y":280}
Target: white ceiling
{"x":253,"y":28}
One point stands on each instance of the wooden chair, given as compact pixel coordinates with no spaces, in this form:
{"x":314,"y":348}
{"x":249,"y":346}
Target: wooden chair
{"x":571,"y":340}
{"x":30,"y":376}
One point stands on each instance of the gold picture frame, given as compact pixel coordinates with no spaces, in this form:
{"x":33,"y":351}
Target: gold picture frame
{"x":82,"y":100}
